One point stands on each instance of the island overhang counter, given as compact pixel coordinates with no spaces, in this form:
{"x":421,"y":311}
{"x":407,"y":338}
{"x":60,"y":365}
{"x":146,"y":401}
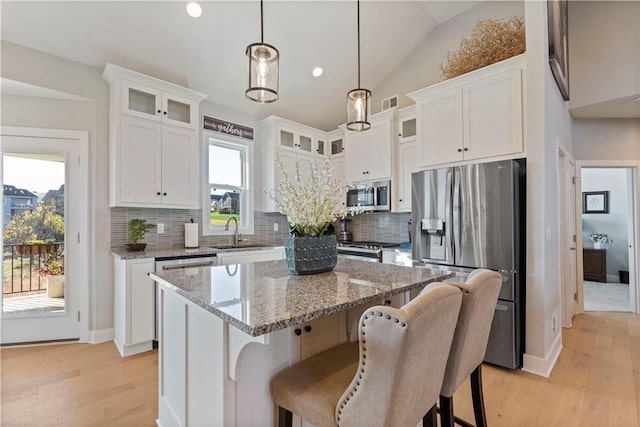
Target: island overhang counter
{"x":225,"y":330}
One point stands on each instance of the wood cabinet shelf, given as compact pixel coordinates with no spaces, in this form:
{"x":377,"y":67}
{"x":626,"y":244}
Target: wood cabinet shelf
{"x":594,"y":264}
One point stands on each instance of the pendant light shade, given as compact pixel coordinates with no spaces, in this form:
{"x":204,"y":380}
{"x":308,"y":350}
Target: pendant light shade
{"x":264,"y":68}
{"x":358,"y":100}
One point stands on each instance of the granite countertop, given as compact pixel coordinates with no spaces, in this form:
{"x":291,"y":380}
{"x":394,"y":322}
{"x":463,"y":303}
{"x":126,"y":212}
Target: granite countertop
{"x":122,"y":253}
{"x":262,"y":297}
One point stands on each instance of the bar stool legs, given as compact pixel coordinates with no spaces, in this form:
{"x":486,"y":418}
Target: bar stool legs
{"x":478,"y":397}
{"x":447,"y":419}
{"x":285,"y":417}
{"x":431,"y":419}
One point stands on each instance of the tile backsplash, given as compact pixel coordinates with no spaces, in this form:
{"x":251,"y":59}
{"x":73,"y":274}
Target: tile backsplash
{"x":384,"y":227}
{"x":381,"y":227}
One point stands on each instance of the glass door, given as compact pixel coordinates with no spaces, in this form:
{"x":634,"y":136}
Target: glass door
{"x":43,"y":261}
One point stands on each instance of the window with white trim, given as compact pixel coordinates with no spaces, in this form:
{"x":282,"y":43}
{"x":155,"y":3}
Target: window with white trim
{"x":228,"y":192}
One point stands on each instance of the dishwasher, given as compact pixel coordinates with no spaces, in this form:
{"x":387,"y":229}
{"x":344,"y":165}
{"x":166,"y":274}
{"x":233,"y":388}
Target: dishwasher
{"x":176,"y":263}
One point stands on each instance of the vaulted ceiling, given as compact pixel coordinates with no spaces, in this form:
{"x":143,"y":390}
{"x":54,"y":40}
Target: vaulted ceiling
{"x":158,"y":38}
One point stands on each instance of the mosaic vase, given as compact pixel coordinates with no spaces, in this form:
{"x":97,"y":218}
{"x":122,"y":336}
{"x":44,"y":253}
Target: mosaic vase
{"x":310,"y":255}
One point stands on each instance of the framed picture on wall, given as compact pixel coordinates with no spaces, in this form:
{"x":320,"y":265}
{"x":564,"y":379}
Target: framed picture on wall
{"x":595,"y":202}
{"x":558,"y":22}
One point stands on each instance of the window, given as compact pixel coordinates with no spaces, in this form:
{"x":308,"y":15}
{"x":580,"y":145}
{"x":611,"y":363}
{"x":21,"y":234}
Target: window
{"x":228,"y":192}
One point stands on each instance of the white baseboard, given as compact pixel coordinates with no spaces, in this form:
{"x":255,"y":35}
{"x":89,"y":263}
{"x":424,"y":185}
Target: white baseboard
{"x":543,"y":367}
{"x":101,"y":335}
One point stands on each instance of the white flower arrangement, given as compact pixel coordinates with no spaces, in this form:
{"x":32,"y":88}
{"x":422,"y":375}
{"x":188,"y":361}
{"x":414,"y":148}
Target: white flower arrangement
{"x":313,"y":204}
{"x":600,"y":238}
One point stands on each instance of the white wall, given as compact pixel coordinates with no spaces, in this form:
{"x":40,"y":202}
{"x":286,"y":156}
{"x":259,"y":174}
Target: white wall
{"x":39,"y":69}
{"x":614,"y":180}
{"x":606,"y":139}
{"x":420,"y":68}
{"x":604,"y":50}
{"x":47,"y":71}
{"x":548,"y":125}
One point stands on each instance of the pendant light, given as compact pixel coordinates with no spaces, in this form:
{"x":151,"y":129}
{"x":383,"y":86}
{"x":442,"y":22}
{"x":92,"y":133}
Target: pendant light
{"x":263,"y":69}
{"x":358,"y":100}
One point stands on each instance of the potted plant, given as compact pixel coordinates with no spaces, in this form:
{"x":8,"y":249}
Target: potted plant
{"x":52,"y":271}
{"x":311,"y":206}
{"x":600,"y":240}
{"x":137,"y":229}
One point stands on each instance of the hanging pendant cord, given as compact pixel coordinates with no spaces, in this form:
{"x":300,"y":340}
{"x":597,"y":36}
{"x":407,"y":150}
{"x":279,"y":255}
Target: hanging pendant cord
{"x":358,"y":44}
{"x":261,"y":25}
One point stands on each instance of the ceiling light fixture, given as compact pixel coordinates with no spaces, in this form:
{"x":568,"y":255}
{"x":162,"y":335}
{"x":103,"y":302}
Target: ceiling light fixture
{"x":194,"y":9}
{"x":317,"y":71}
{"x":263,"y":69}
{"x":358,"y":100}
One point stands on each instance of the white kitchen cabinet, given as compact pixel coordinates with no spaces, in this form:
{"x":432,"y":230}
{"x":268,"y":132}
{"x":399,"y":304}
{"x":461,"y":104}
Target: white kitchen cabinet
{"x":405,"y":164}
{"x":134,"y":305}
{"x":474,"y":116}
{"x":245,"y":256}
{"x":336,"y":143}
{"x":156,"y":164}
{"x":296,"y":140}
{"x":407,"y":127}
{"x":153,"y":104}
{"x":153,"y":141}
{"x":368,"y":153}
{"x":293,"y":144}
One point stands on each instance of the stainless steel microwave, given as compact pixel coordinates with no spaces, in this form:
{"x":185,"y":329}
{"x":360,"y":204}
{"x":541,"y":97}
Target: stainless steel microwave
{"x":371,"y":196}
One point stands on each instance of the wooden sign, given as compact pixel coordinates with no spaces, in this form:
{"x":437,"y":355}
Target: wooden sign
{"x":228,"y":128}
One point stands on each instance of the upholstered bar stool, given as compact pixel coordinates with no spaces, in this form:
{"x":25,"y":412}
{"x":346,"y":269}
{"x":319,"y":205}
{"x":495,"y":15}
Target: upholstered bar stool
{"x":479,"y":297}
{"x":391,"y":377}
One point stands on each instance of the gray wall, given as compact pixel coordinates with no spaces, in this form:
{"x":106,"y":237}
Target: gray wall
{"x":615,"y":223}
{"x":420,"y":68}
{"x":606,"y":139}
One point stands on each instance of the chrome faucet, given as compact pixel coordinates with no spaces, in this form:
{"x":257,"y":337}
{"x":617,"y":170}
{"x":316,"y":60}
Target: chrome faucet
{"x":236,"y":236}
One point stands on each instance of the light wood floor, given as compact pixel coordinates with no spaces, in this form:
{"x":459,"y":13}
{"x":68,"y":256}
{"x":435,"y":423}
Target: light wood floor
{"x":596,"y":382}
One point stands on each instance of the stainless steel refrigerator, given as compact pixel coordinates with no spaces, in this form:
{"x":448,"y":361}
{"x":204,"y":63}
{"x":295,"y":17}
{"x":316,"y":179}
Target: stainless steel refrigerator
{"x":473,"y":216}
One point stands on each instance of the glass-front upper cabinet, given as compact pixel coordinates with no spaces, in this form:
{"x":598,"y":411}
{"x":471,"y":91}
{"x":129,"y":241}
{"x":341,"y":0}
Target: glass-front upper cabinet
{"x":145,"y":102}
{"x":407,"y":128}
{"x":321,"y":150}
{"x":337,"y":146}
{"x":295,"y":140}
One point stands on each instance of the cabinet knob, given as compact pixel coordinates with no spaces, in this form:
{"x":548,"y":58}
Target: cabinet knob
{"x":363,"y":172}
{"x":158,"y":193}
{"x":297,"y":331}
{"x":164,"y":194}
{"x":399,"y":134}
{"x":159,"y":111}
{"x":307,"y":328}
{"x":399,"y":200}
{"x":165,"y":113}
{"x":459,"y":150}
{"x":466,"y":149}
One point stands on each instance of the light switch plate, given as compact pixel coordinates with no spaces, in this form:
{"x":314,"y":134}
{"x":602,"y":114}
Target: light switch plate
{"x":160,"y":228}
{"x":275,"y":226}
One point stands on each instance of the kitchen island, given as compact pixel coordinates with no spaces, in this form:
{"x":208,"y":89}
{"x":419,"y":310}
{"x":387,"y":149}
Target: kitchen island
{"x":225,"y":330}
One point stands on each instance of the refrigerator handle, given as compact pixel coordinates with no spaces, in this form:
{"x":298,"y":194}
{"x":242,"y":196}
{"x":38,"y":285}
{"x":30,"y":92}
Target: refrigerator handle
{"x":448,"y":213}
{"x":457,"y":231}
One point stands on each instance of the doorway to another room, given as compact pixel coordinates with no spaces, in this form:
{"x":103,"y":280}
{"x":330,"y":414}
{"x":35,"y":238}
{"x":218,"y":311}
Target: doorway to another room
{"x":608,"y":205}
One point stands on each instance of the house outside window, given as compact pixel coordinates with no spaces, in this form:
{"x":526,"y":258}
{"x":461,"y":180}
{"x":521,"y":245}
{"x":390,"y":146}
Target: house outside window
{"x":228,"y":188}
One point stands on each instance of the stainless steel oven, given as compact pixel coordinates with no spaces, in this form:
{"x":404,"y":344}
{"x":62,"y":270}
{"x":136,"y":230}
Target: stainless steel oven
{"x":370,"y":196}
{"x":363,"y":250}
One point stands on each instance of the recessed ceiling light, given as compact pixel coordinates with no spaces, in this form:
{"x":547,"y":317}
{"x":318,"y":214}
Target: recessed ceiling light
{"x":317,"y":72}
{"x":194,"y":9}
